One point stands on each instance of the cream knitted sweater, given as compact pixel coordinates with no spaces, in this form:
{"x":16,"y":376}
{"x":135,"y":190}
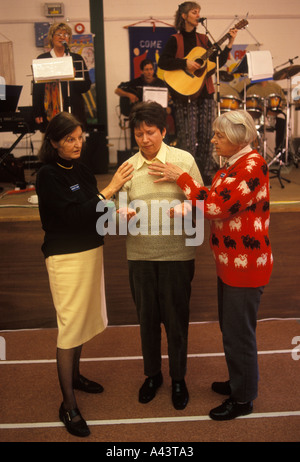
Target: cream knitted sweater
{"x":149,"y":237}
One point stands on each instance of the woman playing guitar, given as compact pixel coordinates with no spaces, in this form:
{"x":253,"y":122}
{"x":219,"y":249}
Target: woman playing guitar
{"x":195,"y":112}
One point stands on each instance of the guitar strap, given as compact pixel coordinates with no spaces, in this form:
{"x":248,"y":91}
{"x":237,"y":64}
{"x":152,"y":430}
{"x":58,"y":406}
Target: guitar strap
{"x":202,"y":41}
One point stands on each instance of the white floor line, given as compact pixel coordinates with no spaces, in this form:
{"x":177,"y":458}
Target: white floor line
{"x":263,"y":415}
{"x":133,"y":358}
{"x":137,"y":325}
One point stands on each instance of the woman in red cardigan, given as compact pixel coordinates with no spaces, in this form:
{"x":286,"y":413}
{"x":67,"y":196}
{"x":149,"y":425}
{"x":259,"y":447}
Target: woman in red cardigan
{"x":237,"y":206}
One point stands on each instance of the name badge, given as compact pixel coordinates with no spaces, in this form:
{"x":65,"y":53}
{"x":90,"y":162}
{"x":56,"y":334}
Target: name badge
{"x":222,"y":175}
{"x":75,"y":187}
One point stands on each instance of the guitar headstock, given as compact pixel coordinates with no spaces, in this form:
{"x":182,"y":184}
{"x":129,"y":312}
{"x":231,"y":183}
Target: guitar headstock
{"x":241,"y":24}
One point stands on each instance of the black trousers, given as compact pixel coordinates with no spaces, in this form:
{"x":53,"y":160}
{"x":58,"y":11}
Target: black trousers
{"x":238,"y":308}
{"x":161,"y":291}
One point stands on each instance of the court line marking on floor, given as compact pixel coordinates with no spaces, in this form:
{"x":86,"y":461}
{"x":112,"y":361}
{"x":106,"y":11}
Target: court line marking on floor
{"x":201,"y":418}
{"x":134,"y":358}
{"x":16,"y":331}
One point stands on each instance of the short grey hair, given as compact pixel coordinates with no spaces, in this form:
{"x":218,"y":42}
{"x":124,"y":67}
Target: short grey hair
{"x":238,"y":126}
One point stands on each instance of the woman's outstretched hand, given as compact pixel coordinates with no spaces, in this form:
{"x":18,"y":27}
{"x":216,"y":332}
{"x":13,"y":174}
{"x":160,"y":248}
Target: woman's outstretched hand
{"x":122,"y":175}
{"x":166,"y":172}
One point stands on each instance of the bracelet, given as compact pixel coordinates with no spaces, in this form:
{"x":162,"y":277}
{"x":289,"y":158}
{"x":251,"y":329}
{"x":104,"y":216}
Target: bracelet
{"x":101,"y":197}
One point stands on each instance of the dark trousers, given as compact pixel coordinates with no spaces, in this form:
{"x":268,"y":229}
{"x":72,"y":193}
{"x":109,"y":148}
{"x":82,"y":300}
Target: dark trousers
{"x":161,"y":291}
{"x":238,"y":308}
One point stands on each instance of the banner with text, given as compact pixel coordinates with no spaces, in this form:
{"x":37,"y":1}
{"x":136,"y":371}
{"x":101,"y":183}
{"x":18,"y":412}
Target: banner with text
{"x":147,"y":43}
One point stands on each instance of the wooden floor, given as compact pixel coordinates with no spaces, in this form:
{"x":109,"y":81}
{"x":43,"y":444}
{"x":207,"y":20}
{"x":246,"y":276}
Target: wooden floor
{"x":25,"y":299}
{"x":30,"y":395}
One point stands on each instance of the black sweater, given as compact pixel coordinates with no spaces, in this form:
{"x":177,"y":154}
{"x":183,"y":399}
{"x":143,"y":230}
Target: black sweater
{"x":67,"y":204}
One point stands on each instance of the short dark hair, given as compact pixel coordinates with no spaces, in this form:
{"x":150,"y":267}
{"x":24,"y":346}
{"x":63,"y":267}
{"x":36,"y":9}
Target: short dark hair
{"x":60,"y":126}
{"x":150,"y":112}
{"x":145,"y":62}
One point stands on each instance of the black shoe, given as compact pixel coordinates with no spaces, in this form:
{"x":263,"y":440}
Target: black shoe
{"x":223,"y":388}
{"x":77,"y":428}
{"x":180,"y":394}
{"x":88,"y":386}
{"x":230,"y":410}
{"x":148,"y":389}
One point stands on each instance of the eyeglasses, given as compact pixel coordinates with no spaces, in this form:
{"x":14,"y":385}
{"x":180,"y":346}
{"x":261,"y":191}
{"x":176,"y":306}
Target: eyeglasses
{"x":65,"y":35}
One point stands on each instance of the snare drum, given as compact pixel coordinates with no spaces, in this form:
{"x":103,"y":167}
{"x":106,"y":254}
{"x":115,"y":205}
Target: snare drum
{"x":255,"y":106}
{"x":229,"y":103}
{"x":274,"y":102}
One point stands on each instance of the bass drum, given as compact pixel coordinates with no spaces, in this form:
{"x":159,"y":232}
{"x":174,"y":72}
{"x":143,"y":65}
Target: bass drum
{"x":229,"y":103}
{"x":255,"y":105}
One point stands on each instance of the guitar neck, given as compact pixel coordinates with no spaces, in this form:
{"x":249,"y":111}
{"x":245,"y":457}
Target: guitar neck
{"x":215,"y":46}
{"x":243,"y":23}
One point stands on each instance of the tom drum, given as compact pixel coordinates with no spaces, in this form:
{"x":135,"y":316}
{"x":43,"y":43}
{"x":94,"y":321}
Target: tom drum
{"x":274,"y":102}
{"x":255,"y":106}
{"x":229,"y":103}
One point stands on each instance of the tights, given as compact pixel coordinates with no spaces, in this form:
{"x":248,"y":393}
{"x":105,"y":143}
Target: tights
{"x":68,"y":373}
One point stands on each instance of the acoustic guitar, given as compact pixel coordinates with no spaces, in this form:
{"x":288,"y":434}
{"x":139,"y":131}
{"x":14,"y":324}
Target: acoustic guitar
{"x":189,"y":83}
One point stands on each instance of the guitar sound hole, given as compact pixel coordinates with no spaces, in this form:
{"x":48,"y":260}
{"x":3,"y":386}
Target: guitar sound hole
{"x":200,"y":61}
{"x":199,"y":72}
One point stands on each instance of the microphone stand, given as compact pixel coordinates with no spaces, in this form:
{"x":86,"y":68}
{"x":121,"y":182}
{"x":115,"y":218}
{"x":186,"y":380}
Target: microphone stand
{"x":218,"y":50}
{"x":67,"y":52}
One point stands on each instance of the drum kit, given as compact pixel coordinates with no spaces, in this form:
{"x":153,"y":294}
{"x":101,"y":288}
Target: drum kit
{"x":254,"y":104}
{"x":264,"y":111}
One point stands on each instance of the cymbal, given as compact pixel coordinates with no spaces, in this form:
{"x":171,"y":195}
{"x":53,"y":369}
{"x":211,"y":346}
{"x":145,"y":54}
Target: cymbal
{"x":225,"y":77}
{"x":286,"y":72}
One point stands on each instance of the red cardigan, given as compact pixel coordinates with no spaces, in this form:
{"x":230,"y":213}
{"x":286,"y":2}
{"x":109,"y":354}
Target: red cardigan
{"x":237,"y":206}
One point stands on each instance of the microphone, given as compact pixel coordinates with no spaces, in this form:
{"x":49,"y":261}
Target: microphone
{"x":66,"y":46}
{"x":201,"y":20}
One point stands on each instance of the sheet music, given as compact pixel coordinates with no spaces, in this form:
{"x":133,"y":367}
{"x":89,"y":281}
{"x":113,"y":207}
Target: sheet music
{"x":48,"y":69}
{"x":157,"y":94}
{"x":260,"y":65}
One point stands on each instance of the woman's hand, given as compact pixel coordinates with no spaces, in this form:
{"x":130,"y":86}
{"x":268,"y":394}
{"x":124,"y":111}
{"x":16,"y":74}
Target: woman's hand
{"x":192,"y":66}
{"x":122,"y":175}
{"x":233,"y":33}
{"x":166,"y":172}
{"x":126,"y":213}
{"x":180,"y":210}
{"x":133,"y":98}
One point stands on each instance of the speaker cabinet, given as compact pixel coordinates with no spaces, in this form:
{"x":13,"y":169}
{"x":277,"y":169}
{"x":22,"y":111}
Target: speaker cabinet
{"x":95,"y":153}
{"x":123,"y":156}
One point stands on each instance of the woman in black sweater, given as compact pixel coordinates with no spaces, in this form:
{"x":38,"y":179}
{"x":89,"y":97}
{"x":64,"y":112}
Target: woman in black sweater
{"x":68,"y":197}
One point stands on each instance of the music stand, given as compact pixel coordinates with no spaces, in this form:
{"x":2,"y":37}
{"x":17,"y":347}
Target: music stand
{"x":257,"y":65}
{"x":9,"y":103}
{"x":54,"y":70}
{"x":157,"y":94}
{"x":8,"y":107}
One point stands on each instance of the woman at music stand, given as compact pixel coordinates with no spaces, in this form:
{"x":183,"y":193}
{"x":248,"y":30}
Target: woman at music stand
{"x":45,"y":96}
